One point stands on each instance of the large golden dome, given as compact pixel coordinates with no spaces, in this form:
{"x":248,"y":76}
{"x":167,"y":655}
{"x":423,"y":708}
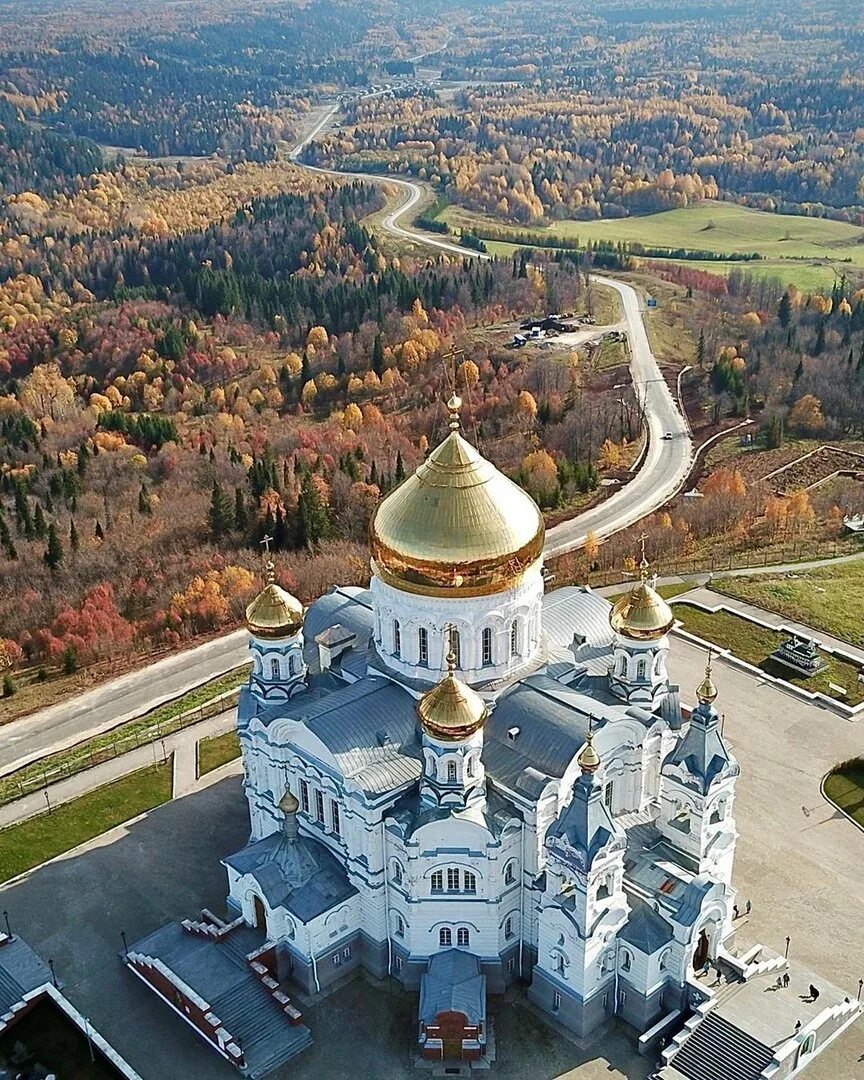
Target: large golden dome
{"x":456,"y":525}
{"x":274,"y":613}
{"x":642,"y":614}
{"x":451,"y":711}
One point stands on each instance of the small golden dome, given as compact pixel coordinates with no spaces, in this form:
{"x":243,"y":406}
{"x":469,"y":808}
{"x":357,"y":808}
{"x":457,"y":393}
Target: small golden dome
{"x":457,"y":525}
{"x":451,"y":711}
{"x":274,"y":613}
{"x":706,"y":691}
{"x":642,"y":614}
{"x":588,"y":759}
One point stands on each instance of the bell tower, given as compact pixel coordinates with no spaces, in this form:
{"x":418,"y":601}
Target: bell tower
{"x":275,"y":623}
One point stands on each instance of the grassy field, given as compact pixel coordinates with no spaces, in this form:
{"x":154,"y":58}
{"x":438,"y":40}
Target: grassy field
{"x":38,"y":839}
{"x":828,"y":598}
{"x":754,"y":644}
{"x":173,"y":716}
{"x":807,"y":251}
{"x":845,"y":788}
{"x":217,"y":750}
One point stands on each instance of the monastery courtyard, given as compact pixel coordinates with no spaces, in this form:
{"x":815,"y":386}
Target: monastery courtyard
{"x":798,"y":861}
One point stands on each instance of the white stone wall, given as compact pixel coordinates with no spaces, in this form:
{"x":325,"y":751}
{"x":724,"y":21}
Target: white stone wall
{"x":470,"y":616}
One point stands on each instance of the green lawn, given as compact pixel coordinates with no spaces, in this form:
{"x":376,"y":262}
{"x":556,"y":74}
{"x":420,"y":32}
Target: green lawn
{"x":37,"y":839}
{"x":217,"y":750}
{"x":828,"y":598}
{"x":754,"y":644}
{"x":845,"y":788}
{"x":810,"y":252}
{"x":156,"y":724}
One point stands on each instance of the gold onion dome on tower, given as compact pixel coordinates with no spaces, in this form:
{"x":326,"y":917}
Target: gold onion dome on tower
{"x":588,"y":759}
{"x":274,"y":613}
{"x":451,"y":711}
{"x":457,"y":524}
{"x":642,"y":614}
{"x":706,"y":691}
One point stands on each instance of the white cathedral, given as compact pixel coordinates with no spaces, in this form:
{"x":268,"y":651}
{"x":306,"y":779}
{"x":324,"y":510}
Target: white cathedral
{"x":457,"y":779}
{"x":484,"y":766}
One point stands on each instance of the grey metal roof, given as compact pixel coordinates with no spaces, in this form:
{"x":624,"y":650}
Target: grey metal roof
{"x":370,"y":728}
{"x":21,"y":971}
{"x":348,"y":606}
{"x":294,"y":872}
{"x":585,"y":825}
{"x":646,"y":930}
{"x":702,"y":752}
{"x":453,"y":983}
{"x":576,"y":610}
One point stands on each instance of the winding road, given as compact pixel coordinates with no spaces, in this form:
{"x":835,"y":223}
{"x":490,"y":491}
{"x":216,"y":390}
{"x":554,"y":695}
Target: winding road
{"x":663,"y":471}
{"x":667,"y":461}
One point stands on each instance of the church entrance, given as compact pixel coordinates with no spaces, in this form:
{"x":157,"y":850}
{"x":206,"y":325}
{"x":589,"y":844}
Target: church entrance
{"x":700,"y":956}
{"x":261,"y":914}
{"x":452,"y":1027}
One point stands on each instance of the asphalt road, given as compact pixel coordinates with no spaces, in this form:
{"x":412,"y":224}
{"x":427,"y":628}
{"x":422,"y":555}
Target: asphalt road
{"x":112,"y":703}
{"x":663,"y":471}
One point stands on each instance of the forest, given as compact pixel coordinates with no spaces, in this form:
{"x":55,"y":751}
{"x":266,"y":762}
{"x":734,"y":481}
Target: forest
{"x":202,"y":343}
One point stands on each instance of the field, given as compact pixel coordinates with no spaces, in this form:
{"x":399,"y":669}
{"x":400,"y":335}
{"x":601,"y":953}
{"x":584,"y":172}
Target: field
{"x":804,"y":250}
{"x":217,"y":750}
{"x":754,"y":644}
{"x":38,"y":839}
{"x":828,"y":598}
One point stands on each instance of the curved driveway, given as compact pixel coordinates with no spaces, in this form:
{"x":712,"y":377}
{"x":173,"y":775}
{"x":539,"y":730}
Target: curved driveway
{"x":666,"y":463}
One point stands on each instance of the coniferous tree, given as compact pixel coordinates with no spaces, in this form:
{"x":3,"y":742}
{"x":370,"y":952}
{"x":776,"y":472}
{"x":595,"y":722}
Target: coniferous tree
{"x":241,"y":518}
{"x":99,"y":532}
{"x":70,"y":660}
{"x":39,"y":525}
{"x":53,"y":552}
{"x":784,"y":312}
{"x":22,"y":512}
{"x":144,"y":506}
{"x":6,"y":541}
{"x":314,"y":518}
{"x":819,"y":343}
{"x":220,"y":516}
{"x":74,"y":542}
{"x":400,"y":468}
{"x":378,"y":356}
{"x":700,"y":349}
{"x":8,"y":685}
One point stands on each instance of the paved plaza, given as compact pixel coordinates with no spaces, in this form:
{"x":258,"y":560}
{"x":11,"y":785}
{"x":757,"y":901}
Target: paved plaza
{"x":798,"y":861}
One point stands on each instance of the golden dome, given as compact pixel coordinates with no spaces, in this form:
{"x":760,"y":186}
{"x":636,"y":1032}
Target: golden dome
{"x":456,"y":525}
{"x":642,"y":614}
{"x":451,"y":711}
{"x":706,"y":691}
{"x":588,"y":759}
{"x":274,"y":613}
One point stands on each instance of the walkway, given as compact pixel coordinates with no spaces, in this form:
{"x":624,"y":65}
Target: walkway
{"x":113,"y":703}
{"x":712,"y":600}
{"x":183,"y":744}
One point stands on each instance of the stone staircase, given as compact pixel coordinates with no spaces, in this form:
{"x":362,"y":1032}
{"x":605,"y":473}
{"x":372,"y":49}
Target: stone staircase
{"x":717,"y":1050}
{"x":259,"y":1029}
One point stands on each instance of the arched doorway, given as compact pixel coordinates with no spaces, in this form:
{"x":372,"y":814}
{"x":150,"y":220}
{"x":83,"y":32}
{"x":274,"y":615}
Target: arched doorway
{"x":260,"y":913}
{"x":700,"y":956}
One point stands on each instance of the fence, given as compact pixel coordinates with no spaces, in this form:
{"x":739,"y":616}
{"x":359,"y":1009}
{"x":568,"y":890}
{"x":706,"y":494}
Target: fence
{"x":713,"y":564}
{"x":132,"y":736}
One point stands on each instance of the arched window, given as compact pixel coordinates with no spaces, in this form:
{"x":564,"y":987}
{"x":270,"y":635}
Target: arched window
{"x":274,"y":668}
{"x":400,"y":926}
{"x":487,"y":647}
{"x":469,"y":766}
{"x":397,"y":873}
{"x":560,"y":963}
{"x":451,"y":772}
{"x":807,"y":1046}
{"x":641,"y":668}
{"x":445,"y":936}
{"x":290,"y":928}
{"x":438,"y":881}
{"x":455,"y":646}
{"x":292,"y":665}
{"x":604,"y":890}
{"x":423,"y":646}
{"x":463,"y":937}
{"x":470,"y":881}
{"x":626,"y":960}
{"x":508,"y":927}
{"x":665,"y":957}
{"x":397,"y":638}
{"x":510,"y":872}
{"x":514,"y":638}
